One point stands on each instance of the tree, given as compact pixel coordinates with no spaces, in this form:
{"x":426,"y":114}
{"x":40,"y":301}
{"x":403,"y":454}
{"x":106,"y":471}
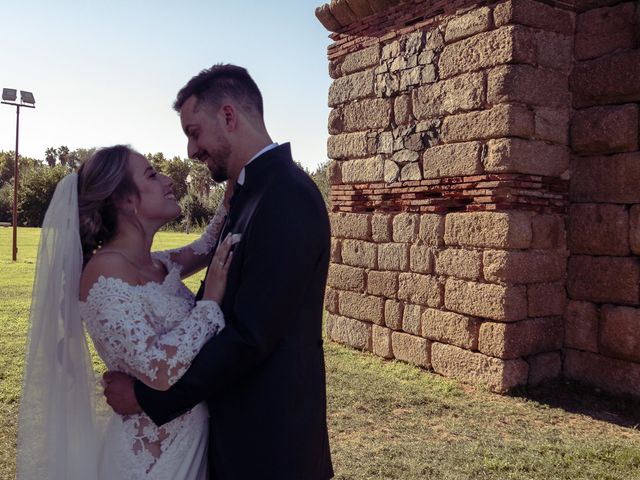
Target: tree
{"x":321,"y":179}
{"x":36,"y":190}
{"x":6,"y":202}
{"x":201,"y":181}
{"x":64,"y":156}
{"x":50,"y":156}
{"x":81,"y":155}
{"x":156,"y":160}
{"x":178,"y":170}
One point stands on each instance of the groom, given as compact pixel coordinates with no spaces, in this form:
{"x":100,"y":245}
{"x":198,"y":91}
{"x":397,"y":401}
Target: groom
{"x":263,"y":376}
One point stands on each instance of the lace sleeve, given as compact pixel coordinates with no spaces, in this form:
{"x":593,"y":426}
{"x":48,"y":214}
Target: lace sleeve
{"x":204,"y":245}
{"x":119,"y":320}
{"x":195,"y":256}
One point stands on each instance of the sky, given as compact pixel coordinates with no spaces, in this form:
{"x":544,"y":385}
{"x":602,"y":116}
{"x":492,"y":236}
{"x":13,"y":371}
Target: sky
{"x":107,"y":72}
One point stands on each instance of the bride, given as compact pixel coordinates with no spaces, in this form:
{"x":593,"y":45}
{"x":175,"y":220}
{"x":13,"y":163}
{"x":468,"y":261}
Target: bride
{"x":95,"y":269}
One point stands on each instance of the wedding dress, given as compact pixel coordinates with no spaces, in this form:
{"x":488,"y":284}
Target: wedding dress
{"x":150,"y":331}
{"x":139,"y":330}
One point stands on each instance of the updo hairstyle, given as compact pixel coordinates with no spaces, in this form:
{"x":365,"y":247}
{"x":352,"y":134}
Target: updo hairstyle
{"x":103,"y":179}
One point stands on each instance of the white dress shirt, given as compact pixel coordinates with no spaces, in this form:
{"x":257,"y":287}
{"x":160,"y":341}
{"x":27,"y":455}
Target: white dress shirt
{"x":264,"y":150}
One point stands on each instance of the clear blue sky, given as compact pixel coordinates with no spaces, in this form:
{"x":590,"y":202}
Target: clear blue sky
{"x":107,"y":72}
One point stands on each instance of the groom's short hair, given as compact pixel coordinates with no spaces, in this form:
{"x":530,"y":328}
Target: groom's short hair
{"x":221,"y":81}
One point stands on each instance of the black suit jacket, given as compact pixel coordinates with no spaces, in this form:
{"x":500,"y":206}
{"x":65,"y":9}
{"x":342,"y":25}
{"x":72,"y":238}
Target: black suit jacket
{"x":263,"y":376}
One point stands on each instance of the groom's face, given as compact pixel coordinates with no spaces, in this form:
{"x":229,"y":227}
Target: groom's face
{"x":206,"y":140}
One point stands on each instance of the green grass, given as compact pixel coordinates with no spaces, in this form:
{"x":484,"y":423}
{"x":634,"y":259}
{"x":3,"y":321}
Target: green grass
{"x":389,"y":420}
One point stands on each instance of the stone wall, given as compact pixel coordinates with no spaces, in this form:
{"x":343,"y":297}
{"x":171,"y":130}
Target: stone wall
{"x":451,"y":134}
{"x":602,"y":328}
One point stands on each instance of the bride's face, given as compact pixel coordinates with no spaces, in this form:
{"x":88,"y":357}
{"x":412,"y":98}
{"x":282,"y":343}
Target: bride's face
{"x":155,"y":202}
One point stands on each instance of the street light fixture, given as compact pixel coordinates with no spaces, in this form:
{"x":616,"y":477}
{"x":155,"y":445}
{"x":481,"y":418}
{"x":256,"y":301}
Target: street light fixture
{"x":9,"y":97}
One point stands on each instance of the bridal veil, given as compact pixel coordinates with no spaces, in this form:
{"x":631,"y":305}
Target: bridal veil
{"x":58,"y":436}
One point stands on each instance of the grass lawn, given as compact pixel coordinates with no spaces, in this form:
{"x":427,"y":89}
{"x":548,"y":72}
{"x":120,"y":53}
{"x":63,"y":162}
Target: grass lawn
{"x":389,"y":420}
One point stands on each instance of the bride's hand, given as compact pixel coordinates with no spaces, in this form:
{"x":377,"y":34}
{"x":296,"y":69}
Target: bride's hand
{"x":228,"y":193}
{"x":216,"y":281}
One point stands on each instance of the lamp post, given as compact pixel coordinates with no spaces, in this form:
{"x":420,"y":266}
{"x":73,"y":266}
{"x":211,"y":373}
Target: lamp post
{"x":9,"y":97}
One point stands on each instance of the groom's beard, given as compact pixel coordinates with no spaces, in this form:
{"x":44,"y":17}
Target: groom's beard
{"x":218,"y":161}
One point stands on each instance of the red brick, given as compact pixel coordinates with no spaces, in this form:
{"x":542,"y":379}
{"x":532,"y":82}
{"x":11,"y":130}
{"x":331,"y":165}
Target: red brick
{"x":620,"y":333}
{"x":611,"y":179}
{"x":598,"y":229}
{"x":610,"y":79}
{"x":513,"y":340}
{"x":605,"y":30}
{"x":581,"y":326}
{"x":604,"y":279}
{"x":616,"y":376}
{"x":605,"y":129}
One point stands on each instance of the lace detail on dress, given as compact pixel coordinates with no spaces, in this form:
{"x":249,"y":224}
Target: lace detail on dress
{"x":152,"y":332}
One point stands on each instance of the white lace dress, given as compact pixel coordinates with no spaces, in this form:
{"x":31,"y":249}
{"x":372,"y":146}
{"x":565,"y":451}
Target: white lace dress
{"x":152,"y":332}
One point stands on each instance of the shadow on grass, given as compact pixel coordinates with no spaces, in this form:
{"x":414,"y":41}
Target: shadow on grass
{"x":584,"y":400}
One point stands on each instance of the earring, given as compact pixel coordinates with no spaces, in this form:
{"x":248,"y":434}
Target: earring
{"x":135,"y":211}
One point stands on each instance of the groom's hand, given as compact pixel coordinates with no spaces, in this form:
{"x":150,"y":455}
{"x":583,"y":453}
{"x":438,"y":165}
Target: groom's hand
{"x":118,"y":388}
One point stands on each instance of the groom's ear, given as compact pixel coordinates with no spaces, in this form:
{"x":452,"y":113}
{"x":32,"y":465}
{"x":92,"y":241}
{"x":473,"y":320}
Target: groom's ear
{"x":229,"y":117}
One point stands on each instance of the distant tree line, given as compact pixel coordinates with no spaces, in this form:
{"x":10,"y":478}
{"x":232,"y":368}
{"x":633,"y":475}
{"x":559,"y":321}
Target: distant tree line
{"x":194,"y":189}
